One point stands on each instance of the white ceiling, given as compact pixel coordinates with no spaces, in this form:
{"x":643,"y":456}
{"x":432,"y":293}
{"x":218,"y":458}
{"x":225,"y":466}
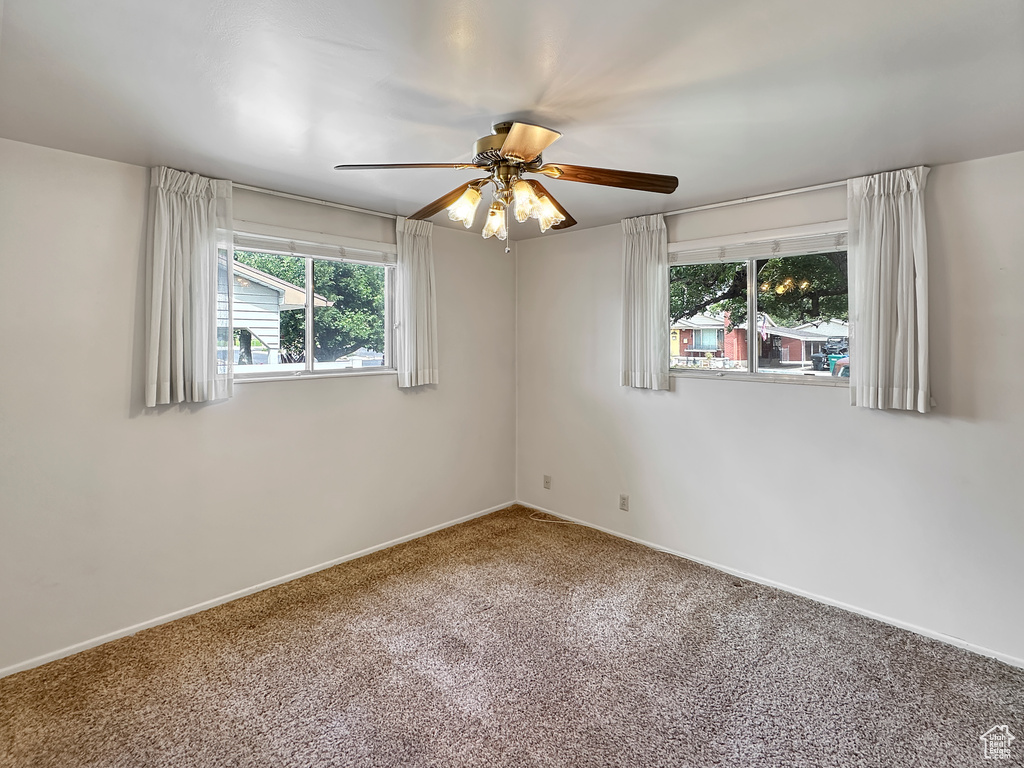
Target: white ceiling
{"x":735,"y":97}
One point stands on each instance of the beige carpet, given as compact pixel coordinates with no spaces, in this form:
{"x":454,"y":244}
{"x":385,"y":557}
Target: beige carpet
{"x":510,"y":642}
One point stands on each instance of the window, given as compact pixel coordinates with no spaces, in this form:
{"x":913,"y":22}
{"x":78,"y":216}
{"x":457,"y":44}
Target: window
{"x":708,"y":339}
{"x":298,"y":309}
{"x":775,"y":309}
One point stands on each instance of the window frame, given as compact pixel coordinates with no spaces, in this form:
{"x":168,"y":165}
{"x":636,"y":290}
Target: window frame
{"x":294,"y":248}
{"x":754,"y":246}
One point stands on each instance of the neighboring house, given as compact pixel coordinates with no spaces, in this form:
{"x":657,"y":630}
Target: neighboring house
{"x":259,"y":299}
{"x":698,"y":335}
{"x":695,"y":337}
{"x":828,"y":328}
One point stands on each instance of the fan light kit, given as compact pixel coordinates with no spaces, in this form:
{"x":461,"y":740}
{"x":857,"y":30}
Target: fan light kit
{"x":512,"y":150}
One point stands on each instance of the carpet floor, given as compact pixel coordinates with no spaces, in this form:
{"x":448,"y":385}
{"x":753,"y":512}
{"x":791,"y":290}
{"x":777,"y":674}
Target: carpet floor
{"x":506,"y":641}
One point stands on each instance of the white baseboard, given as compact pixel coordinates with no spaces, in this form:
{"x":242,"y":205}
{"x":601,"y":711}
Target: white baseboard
{"x":949,"y":639}
{"x":92,"y":643}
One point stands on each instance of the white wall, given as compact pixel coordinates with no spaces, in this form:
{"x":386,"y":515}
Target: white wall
{"x":915,"y":518}
{"x":113,"y":515}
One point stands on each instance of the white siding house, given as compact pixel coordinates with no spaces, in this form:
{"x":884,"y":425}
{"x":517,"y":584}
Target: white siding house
{"x":259,"y":299}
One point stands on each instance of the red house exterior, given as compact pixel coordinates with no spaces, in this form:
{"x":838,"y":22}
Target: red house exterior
{"x":706,"y":336}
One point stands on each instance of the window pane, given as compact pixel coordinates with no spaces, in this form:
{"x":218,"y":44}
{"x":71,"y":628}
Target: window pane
{"x":708,"y":303}
{"x":803,"y":315}
{"x":348,"y":315}
{"x":269,"y":316}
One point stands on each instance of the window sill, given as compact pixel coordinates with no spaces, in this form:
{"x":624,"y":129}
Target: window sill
{"x":771,"y":378}
{"x":258,"y":378}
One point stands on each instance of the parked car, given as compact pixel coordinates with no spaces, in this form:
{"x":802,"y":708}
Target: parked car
{"x":834,"y":345}
{"x":841,"y":367}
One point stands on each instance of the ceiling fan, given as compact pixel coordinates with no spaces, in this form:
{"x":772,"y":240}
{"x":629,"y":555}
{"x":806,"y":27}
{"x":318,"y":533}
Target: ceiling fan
{"x":512,"y":150}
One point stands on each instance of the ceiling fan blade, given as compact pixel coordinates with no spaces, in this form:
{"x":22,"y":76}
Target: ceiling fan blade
{"x":646,"y":182}
{"x":454,"y":166}
{"x":525,"y":141}
{"x":445,"y":200}
{"x":539,"y":189}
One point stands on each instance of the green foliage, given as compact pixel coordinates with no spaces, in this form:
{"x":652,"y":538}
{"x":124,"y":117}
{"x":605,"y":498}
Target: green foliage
{"x":791,"y":290}
{"x":354,"y":317}
{"x":716,"y":287}
{"x":803,"y":289}
{"x":291,"y":269}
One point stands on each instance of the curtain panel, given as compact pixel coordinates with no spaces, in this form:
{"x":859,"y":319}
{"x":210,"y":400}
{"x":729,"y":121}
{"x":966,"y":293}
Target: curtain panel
{"x":188,"y":252}
{"x":415,"y":305}
{"x":645,"y":334}
{"x":888,"y":261}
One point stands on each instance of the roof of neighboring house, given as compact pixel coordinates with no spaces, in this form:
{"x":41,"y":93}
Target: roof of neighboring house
{"x":831,"y":327}
{"x":293,"y":297}
{"x":698,"y":321}
{"x":803,"y":334}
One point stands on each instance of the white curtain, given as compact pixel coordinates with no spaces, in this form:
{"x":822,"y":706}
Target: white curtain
{"x":415,"y":305}
{"x":189,"y":248}
{"x":645,"y":321}
{"x":888,"y":257}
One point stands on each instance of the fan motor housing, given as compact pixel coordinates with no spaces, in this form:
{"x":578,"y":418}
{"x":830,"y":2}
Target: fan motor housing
{"x":487,"y":150}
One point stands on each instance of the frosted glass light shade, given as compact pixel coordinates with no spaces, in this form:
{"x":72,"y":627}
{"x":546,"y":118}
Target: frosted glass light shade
{"x":526,"y":200}
{"x":464,"y":209}
{"x":495,"y":225}
{"x":548,"y":215}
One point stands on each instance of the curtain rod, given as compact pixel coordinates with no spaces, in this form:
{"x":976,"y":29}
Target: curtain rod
{"x":314,"y":200}
{"x":694,"y":209}
{"x":754,"y":198}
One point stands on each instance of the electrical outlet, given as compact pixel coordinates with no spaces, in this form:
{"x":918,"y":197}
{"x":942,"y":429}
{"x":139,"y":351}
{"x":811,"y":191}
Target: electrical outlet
{"x":624,"y":502}
{"x":547,"y":482}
